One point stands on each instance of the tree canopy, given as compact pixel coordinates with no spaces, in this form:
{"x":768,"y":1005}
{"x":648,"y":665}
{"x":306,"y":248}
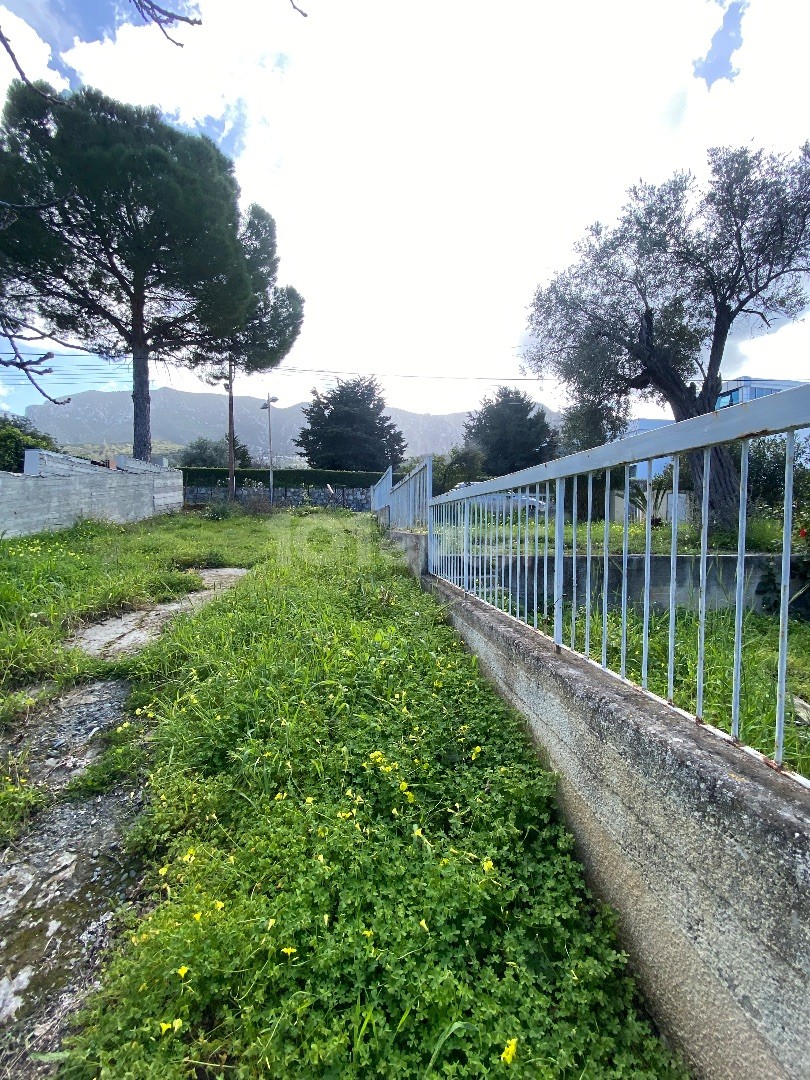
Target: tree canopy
{"x":346,"y":429}
{"x":135,"y":250}
{"x":17,"y":434}
{"x":649,"y":303}
{"x":212,"y":454}
{"x":511,"y":431}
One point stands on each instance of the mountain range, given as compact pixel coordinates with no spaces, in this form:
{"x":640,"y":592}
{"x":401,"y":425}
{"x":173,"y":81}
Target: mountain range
{"x":98,"y":418}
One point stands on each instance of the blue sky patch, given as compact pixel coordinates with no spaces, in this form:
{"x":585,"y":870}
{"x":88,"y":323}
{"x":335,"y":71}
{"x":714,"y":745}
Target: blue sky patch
{"x":716,"y":64}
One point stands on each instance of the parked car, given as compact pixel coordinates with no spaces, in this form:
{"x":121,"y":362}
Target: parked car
{"x":509,"y":500}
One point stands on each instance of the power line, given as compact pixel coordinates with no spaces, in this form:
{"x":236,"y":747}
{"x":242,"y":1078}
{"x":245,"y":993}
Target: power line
{"x":126,"y":366}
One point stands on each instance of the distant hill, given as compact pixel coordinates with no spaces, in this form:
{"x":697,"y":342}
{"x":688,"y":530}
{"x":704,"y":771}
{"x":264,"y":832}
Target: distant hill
{"x":95,"y":418}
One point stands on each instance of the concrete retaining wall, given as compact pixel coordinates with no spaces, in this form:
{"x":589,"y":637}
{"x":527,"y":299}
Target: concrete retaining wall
{"x":702,"y":850}
{"x":56,"y":490}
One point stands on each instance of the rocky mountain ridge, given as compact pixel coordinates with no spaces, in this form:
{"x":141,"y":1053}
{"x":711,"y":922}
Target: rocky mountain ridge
{"x":98,"y":418}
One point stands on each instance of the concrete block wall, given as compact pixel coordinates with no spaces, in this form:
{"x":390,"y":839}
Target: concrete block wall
{"x":57,"y":490}
{"x":701,"y":849}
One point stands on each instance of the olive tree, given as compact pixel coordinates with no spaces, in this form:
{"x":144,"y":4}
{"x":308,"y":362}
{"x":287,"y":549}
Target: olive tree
{"x":649,"y":303}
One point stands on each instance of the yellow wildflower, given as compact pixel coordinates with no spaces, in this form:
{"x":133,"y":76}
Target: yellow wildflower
{"x":289,"y":951}
{"x":177,"y":1024}
{"x":368,"y":933}
{"x":163,"y":871}
{"x":219,"y":905}
{"x":509,"y":1051}
{"x":197,"y":915}
{"x":164,"y":1027}
{"x":475,"y":753}
{"x":182,"y":971}
{"x":424,"y":926}
{"x":488,"y":865}
{"x":271,"y":923}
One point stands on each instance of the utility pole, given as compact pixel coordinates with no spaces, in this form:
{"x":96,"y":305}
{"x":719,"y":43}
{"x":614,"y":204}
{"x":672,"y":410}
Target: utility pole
{"x":269,"y":406}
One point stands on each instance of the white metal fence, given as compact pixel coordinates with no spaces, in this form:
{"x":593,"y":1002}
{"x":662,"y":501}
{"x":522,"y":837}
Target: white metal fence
{"x":409,"y":499}
{"x":538,"y":545}
{"x":380,"y":493}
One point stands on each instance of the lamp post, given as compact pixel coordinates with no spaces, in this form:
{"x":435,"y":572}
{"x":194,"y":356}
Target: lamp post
{"x":268,"y":405}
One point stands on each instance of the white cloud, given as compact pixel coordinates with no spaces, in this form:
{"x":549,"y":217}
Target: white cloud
{"x":429,"y":164}
{"x":33,"y":54}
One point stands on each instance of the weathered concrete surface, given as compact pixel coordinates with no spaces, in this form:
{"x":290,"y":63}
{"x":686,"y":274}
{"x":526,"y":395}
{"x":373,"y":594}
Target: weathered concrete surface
{"x":124,"y":634}
{"x":702,"y":850}
{"x":414,"y":547}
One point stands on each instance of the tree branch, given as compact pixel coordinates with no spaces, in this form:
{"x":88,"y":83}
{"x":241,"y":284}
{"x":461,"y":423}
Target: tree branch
{"x":29,"y":368}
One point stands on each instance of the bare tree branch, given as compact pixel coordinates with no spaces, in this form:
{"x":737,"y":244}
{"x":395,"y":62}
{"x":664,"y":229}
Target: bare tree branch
{"x":29,"y":367}
{"x":4,"y":41}
{"x":163,"y":18}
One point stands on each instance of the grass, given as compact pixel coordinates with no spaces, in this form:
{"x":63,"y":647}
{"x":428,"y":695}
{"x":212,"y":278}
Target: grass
{"x":760,"y":646}
{"x":356,"y":865}
{"x":19,"y":800}
{"x":52,"y":582}
{"x":763,"y":535}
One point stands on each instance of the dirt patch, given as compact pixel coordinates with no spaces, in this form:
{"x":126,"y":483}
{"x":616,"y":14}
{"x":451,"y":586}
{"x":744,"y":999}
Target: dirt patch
{"x":129,"y":632}
{"x":63,"y":880}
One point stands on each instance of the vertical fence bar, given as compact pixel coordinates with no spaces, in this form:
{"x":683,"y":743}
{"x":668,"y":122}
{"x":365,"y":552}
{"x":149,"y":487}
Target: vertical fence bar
{"x":739,"y":595}
{"x":574,"y":509}
{"x":511,"y":503}
{"x":545,"y":562}
{"x":536,"y":546}
{"x":704,"y":547}
{"x":673,"y":576}
{"x":559,"y":542}
{"x":625,"y":547}
{"x":500,"y":542}
{"x":588,"y":567}
{"x":467,"y":545}
{"x":606,"y":561}
{"x":784,"y":598}
{"x":526,"y":558}
{"x":645,"y":649}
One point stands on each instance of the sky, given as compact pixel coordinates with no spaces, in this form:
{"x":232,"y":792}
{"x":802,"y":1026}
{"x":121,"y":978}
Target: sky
{"x":429,"y":163}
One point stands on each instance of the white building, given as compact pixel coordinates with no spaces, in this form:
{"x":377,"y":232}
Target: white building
{"x":737,"y":391}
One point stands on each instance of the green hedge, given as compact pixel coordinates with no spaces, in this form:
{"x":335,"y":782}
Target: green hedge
{"x":319,"y":478}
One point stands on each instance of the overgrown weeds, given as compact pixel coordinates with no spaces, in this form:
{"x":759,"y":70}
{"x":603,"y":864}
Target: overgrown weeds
{"x":358,"y":866}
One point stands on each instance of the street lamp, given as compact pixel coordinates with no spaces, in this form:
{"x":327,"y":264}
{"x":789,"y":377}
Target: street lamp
{"x":270,"y":401}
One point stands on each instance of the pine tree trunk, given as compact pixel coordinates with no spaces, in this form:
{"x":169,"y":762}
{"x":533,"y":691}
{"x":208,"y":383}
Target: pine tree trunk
{"x":141,"y":405}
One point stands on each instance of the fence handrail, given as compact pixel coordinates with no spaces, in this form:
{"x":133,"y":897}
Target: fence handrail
{"x":406,"y":480}
{"x":783,"y":411}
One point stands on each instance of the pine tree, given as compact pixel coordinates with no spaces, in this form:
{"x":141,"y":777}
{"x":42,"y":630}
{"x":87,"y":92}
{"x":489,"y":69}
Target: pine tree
{"x":347,"y":429}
